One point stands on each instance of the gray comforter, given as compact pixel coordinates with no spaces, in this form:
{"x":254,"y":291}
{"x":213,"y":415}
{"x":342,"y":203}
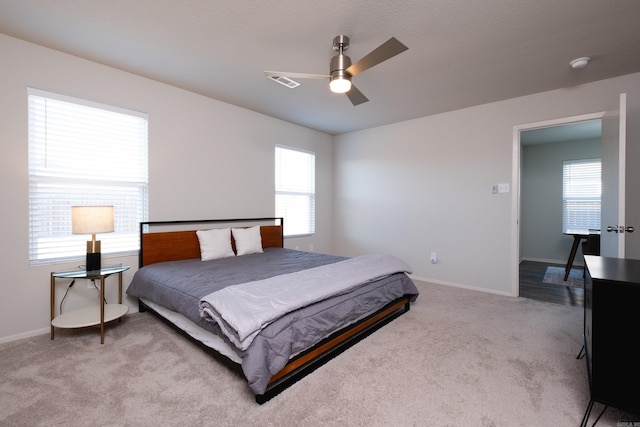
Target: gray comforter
{"x":179,"y":286}
{"x":242,"y":311}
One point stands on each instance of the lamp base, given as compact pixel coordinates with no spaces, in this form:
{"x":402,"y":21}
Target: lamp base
{"x":93,"y":256}
{"x":93,"y":261}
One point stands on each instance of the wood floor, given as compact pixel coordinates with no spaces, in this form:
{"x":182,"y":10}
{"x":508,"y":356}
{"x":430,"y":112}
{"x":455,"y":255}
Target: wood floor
{"x":531,"y":286}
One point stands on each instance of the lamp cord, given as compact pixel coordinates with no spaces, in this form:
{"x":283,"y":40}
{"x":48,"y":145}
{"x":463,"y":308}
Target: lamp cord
{"x":71,"y":285}
{"x":65,"y":294}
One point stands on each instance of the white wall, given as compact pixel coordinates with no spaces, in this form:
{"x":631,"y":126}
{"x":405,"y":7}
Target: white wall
{"x":424,"y":185}
{"x":407,"y":189}
{"x":207,"y":159}
{"x":541,"y":237}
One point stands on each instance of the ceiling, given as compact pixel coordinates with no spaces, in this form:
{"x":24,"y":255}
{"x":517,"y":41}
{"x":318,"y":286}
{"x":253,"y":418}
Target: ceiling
{"x":461,"y":52}
{"x":580,"y":131}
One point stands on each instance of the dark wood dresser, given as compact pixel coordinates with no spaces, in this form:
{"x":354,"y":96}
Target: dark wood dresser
{"x":612,"y":332}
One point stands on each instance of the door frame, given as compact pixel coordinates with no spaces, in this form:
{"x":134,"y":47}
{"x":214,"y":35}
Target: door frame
{"x":613,"y":244}
{"x":516,"y":161}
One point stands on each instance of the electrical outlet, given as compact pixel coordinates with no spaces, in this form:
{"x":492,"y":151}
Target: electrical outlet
{"x":311,"y":247}
{"x":434,"y":258}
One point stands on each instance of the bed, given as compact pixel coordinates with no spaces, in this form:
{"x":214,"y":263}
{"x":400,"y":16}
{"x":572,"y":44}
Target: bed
{"x":213,"y":293}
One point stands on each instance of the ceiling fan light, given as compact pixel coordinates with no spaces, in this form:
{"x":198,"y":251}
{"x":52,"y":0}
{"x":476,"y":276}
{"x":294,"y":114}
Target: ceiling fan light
{"x":340,"y":85}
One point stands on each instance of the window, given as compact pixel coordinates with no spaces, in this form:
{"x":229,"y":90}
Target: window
{"x":581,"y":191}
{"x":295,"y":190}
{"x":82,"y":153}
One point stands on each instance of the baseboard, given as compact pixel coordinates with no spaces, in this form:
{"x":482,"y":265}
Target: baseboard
{"x":460,"y":285}
{"x":24,"y":335}
{"x":37,"y":332}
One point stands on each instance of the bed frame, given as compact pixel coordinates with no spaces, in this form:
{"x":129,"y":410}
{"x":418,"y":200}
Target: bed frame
{"x":177,"y":245}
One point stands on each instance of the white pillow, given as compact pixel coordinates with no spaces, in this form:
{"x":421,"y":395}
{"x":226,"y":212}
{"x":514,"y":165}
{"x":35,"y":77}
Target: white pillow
{"x":215,"y":243}
{"x":248,"y":240}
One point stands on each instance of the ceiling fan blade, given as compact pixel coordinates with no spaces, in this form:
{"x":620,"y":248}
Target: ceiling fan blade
{"x":295,"y":75}
{"x":386,"y":50}
{"x":355,"y":96}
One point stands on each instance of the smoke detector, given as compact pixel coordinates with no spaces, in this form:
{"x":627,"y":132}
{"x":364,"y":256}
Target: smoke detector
{"x":579,"y":63}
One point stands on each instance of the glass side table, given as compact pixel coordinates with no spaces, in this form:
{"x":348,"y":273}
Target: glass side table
{"x":90,"y":316}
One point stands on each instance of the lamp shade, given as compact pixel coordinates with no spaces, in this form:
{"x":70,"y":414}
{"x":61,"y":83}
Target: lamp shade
{"x":91,"y":219}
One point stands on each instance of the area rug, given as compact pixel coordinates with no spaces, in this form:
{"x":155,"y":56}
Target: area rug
{"x":555,"y":276}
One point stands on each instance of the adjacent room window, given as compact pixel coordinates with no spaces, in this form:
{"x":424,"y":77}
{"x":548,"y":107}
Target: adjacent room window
{"x":83,"y":153}
{"x":581,"y":192}
{"x":295,"y":190}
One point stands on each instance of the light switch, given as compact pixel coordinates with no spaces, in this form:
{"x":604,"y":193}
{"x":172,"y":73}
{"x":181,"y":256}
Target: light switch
{"x":503,"y":188}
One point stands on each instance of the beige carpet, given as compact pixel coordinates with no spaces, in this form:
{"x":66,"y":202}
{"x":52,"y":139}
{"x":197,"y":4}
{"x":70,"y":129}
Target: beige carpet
{"x":555,"y":276}
{"x":458,"y":358}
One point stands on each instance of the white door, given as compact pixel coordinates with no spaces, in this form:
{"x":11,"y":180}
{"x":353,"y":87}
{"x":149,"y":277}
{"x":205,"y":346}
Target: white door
{"x":614,"y":143}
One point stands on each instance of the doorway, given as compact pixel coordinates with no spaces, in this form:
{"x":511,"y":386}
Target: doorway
{"x":613,"y":181}
{"x":550,"y":130}
{"x":547,"y":154}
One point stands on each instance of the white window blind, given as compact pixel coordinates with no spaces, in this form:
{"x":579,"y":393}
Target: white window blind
{"x":83,"y":153}
{"x":581,"y":192}
{"x":295,"y":190}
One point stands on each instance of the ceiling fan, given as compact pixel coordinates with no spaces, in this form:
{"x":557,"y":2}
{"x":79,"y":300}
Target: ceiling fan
{"x":341,"y":70}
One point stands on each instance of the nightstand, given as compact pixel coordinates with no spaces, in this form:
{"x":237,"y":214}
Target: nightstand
{"x":90,"y":316}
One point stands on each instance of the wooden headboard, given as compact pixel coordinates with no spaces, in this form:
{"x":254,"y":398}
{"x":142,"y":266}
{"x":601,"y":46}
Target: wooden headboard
{"x":169,"y":245}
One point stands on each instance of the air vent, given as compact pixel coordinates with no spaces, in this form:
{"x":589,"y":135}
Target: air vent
{"x":284,"y":81}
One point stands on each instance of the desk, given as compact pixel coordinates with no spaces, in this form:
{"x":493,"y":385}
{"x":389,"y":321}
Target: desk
{"x":578,"y":235}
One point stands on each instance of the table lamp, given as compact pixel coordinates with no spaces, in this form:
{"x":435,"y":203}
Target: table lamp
{"x":92,"y":220}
